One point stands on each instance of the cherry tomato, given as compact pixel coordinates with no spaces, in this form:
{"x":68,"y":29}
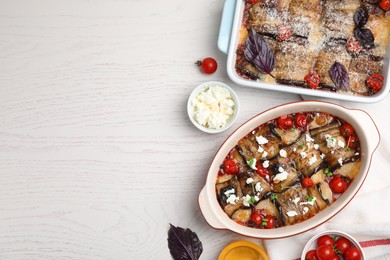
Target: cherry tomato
{"x":230,"y":167}
{"x":352,"y":254}
{"x":285,"y":122}
{"x":269,"y":221}
{"x":342,"y":244}
{"x":352,"y":141}
{"x":257,"y":217}
{"x":336,"y":257}
{"x":311,"y":255}
{"x":313,"y":80}
{"x":375,"y":82}
{"x":325,"y":240}
{"x":207,"y":65}
{"x":284,"y":32}
{"x":385,"y":5}
{"x":307,"y":182}
{"x":253,"y":1}
{"x":325,"y":252}
{"x":337,"y":184}
{"x":300,"y":120}
{"x":263,"y":172}
{"x":346,"y":130}
{"x":353,"y":45}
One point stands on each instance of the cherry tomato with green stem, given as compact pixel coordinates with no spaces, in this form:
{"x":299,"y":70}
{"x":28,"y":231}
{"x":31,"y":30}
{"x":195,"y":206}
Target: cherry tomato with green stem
{"x":207,"y":65}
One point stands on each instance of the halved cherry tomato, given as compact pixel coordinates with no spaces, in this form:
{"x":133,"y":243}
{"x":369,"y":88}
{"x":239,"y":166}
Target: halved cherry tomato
{"x":337,"y":184}
{"x":313,"y":80}
{"x":325,"y":240}
{"x":342,"y":244}
{"x":351,"y":141}
{"x":284,"y":122}
{"x":257,"y":217}
{"x":375,"y":82}
{"x":385,"y":5}
{"x":263,"y":172}
{"x":325,"y":252}
{"x":311,"y":255}
{"x":307,"y":182}
{"x":300,"y":120}
{"x":207,"y":65}
{"x":352,"y":254}
{"x":346,"y":130}
{"x":230,"y":167}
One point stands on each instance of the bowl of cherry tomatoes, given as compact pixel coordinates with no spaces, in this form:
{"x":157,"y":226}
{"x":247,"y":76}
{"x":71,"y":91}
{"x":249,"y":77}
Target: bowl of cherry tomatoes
{"x":332,"y":245}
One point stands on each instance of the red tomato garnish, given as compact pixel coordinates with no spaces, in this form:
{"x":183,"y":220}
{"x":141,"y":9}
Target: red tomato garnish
{"x":385,"y":5}
{"x":342,"y":244}
{"x":207,"y":65}
{"x":284,"y":122}
{"x":257,"y":217}
{"x":325,"y":252}
{"x":307,"y":182}
{"x":263,"y":172}
{"x":311,"y":255}
{"x":325,"y":240}
{"x":268,"y":221}
{"x":352,"y":253}
{"x":353,"y":45}
{"x":337,"y":184}
{"x":375,"y":82}
{"x":336,"y":257}
{"x":253,"y":1}
{"x":300,"y":120}
{"x":346,"y":130}
{"x":230,"y":167}
{"x":312,"y":80}
{"x":284,"y":32}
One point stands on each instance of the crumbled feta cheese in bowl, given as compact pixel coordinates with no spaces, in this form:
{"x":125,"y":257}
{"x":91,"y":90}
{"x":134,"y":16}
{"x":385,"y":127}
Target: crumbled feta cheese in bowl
{"x":213,"y":107}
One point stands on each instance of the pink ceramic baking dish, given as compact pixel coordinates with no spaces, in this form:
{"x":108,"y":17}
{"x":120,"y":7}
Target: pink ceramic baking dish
{"x":369,"y":138}
{"x":228,"y":42}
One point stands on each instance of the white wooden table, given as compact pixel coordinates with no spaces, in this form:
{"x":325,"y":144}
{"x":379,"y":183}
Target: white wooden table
{"x":97,"y":155}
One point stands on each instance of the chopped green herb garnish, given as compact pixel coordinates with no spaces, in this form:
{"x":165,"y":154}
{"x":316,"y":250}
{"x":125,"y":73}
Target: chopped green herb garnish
{"x":348,"y":149}
{"x":251,"y":200}
{"x":263,"y":223}
{"x":302,"y":146}
{"x":273,"y":197}
{"x":309,"y":198}
{"x":293,"y":129}
{"x":326,"y":170}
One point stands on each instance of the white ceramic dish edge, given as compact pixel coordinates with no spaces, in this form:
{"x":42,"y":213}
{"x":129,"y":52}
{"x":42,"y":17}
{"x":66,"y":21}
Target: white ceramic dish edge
{"x":369,"y":137}
{"x":231,"y":40}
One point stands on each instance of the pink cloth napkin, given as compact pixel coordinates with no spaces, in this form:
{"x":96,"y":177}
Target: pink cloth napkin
{"x":367,"y":216}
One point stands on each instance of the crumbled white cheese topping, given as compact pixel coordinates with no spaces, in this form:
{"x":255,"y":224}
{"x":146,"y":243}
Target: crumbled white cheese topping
{"x":292,"y":213}
{"x":266,"y":164}
{"x":295,"y":200}
{"x":246,"y":199}
{"x":341,"y":143}
{"x":356,"y":154}
{"x":232,"y":199}
{"x":280,"y":176}
{"x":330,"y":141}
{"x":340,"y":161}
{"x":322,"y":156}
{"x":281,"y":169}
{"x":312,"y":160}
{"x":252,"y":163}
{"x":213,"y":107}
{"x":258,"y":187}
{"x":283,"y":153}
{"x":316,"y":146}
{"x":295,"y":149}
{"x":260,"y":150}
{"x":309,"y":139}
{"x":261,"y":140}
{"x":303,"y":155}
{"x":249,"y":180}
{"x":229,"y":192}
{"x":264,"y":154}
{"x":305,"y":210}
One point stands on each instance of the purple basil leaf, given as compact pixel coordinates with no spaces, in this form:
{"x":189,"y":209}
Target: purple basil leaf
{"x":339,"y":75}
{"x":360,"y":17}
{"x":364,"y":37}
{"x":259,"y":53}
{"x":184,"y":244}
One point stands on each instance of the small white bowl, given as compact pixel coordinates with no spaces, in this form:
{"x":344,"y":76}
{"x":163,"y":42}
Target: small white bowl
{"x":197,"y":91}
{"x":311,"y":244}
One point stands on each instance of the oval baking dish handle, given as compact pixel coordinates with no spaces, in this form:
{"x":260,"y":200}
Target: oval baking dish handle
{"x":371,"y":128}
{"x":225,"y":29}
{"x":207,"y":211}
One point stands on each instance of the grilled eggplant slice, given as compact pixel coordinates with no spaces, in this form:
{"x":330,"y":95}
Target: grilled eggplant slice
{"x":350,"y":169}
{"x":225,"y":191}
{"x":242,"y":215}
{"x":287,"y":136}
{"x":258,"y":187}
{"x":282,"y":167}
